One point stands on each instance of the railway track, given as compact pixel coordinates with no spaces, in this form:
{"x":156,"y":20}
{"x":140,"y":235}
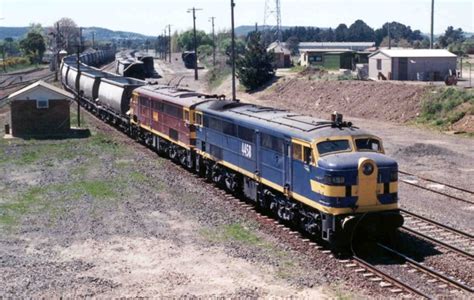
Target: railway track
{"x":438,"y":281}
{"x":22,"y":84}
{"x":455,"y":240}
{"x":393,"y":285}
{"x":444,"y":189}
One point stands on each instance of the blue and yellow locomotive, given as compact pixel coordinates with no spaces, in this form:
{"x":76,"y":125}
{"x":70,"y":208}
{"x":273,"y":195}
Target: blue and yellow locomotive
{"x":326,"y":176}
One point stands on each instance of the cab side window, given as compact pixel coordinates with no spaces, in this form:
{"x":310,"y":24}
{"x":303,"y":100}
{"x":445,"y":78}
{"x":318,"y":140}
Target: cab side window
{"x":302,"y":153}
{"x":199,"y":119}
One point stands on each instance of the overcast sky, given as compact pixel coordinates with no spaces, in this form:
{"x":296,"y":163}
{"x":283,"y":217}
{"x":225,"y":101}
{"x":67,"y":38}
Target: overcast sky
{"x":151,"y":16}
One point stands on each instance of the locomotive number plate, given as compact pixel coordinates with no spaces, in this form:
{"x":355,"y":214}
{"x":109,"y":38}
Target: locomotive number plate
{"x":246,"y":150}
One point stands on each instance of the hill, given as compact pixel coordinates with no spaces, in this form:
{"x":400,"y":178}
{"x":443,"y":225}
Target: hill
{"x":100,"y":33}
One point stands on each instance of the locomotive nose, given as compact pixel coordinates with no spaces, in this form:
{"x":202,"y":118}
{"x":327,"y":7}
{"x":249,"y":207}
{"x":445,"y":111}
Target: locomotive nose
{"x":367,"y":182}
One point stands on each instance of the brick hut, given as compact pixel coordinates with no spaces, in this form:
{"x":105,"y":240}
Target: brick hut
{"x":40,"y":109}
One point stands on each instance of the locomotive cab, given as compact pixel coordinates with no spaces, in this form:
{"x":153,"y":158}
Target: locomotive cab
{"x":357,"y":184}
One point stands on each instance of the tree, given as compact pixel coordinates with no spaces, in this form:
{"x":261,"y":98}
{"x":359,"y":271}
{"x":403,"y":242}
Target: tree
{"x":33,"y":46}
{"x":341,"y":33}
{"x":361,"y":32}
{"x":451,"y":36}
{"x":398,"y":31}
{"x":292,"y":44}
{"x":186,"y":40}
{"x":69,"y":34}
{"x":8,"y":41}
{"x":255,"y":67}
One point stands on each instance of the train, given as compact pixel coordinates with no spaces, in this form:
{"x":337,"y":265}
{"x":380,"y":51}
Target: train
{"x":189,"y":59}
{"x":135,"y":64}
{"x":327,"y":177}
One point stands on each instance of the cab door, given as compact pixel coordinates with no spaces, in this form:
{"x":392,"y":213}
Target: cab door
{"x":288,"y":172}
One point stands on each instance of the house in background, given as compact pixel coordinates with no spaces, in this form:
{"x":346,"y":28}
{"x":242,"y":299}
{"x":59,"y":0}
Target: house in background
{"x":412,"y":64}
{"x":334,"y":59}
{"x":40,"y":110}
{"x":281,"y":55}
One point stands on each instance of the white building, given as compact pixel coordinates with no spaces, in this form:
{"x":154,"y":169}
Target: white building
{"x":411,"y":64}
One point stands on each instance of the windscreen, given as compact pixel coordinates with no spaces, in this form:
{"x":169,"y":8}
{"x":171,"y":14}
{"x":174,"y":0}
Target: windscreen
{"x":367,"y":144}
{"x":327,"y":147}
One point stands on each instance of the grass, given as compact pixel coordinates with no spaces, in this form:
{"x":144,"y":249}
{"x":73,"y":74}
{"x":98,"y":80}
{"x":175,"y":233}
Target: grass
{"x":444,"y":107}
{"x":17,"y":67}
{"x":236,"y":232}
{"x":298,"y":68}
{"x":98,"y":189}
{"x":216,"y":75}
{"x":9,"y":212}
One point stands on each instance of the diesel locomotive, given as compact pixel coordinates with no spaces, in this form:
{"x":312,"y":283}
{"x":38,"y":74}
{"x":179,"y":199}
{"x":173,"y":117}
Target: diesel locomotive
{"x":327,"y":177}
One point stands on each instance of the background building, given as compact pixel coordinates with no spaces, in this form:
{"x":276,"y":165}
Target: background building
{"x":411,"y":64}
{"x":281,"y":55}
{"x":40,"y":109}
{"x":327,"y":58}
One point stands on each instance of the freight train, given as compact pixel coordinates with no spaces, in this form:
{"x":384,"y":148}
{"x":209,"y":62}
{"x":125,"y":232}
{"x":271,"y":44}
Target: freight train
{"x":326,"y":177}
{"x":135,"y":64}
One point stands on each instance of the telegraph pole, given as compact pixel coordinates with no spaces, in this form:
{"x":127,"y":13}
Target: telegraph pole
{"x":165,"y":52}
{"x":232,"y":5}
{"x":213,"y":43}
{"x":78,"y":94}
{"x":81,"y":40}
{"x":195,"y":42}
{"x":169,"y":42}
{"x":58,"y":43}
{"x":432,"y":24}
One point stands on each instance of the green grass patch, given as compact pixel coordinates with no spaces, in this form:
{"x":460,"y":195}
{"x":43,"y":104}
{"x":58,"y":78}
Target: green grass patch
{"x":298,"y":68}
{"x":445,"y":106}
{"x":216,"y":75}
{"x":136,"y":176}
{"x":240,"y":233}
{"x":9,"y":212}
{"x":234,"y":232}
{"x":97,"y":189}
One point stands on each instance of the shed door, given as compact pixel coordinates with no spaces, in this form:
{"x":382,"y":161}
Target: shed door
{"x":403,"y":68}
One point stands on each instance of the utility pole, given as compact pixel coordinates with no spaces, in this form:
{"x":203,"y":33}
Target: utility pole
{"x":432,"y":24}
{"x":232,"y":5}
{"x":93,"y":39}
{"x":213,"y":42}
{"x":81,"y":40}
{"x":165,"y":52}
{"x":196,"y":77}
{"x":169,"y":42}
{"x":58,"y":44}
{"x":78,"y":94}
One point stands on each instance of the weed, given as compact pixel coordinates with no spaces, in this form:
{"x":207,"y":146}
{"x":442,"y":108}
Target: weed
{"x":234,"y":232}
{"x":444,"y":107}
{"x":9,"y":212}
{"x":96,"y":189}
{"x":28,"y":157}
{"x":217,"y":75}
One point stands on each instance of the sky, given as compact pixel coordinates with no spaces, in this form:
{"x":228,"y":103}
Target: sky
{"x":151,"y":16}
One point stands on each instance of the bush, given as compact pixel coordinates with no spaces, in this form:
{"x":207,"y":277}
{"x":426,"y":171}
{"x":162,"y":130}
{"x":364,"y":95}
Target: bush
{"x":12,"y":62}
{"x":445,"y":107}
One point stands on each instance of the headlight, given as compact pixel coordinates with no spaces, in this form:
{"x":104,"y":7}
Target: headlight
{"x":334,"y":180}
{"x":368,"y":169}
{"x":394,"y":175}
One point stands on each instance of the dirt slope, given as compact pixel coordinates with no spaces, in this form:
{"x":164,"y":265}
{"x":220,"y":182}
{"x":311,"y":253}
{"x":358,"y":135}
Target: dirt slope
{"x":375,"y":100}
